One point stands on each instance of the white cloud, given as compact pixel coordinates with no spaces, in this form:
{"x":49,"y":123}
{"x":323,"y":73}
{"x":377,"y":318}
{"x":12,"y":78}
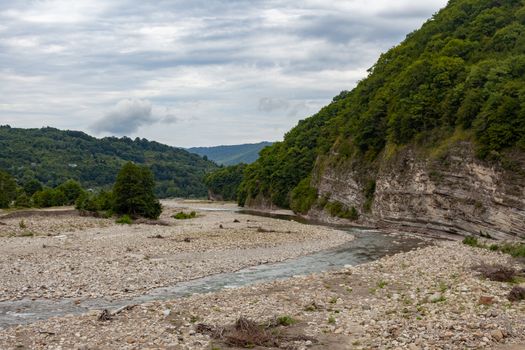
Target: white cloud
{"x":189,"y":72}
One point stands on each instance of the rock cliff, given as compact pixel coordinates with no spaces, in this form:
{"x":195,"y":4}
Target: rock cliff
{"x":455,"y":193}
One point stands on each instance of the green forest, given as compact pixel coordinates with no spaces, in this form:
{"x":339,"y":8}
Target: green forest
{"x":53,"y":156}
{"x":461,"y":75}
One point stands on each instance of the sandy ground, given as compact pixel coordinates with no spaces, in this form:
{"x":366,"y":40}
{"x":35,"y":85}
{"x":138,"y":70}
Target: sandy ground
{"x":430,"y":298}
{"x":85,"y":257}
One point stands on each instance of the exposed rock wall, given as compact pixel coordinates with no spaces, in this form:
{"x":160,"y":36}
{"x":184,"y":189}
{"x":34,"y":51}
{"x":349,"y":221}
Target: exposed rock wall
{"x":456,"y":193}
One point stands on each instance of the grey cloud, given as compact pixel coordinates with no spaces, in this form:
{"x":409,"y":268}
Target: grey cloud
{"x":267,"y":104}
{"x":126,"y":118}
{"x":216,"y":58}
{"x":169,"y":119}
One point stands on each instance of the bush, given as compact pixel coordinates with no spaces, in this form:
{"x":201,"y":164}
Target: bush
{"x":100,"y":202}
{"x":71,"y":190}
{"x":184,"y":216}
{"x":124,"y":220}
{"x":22,"y":201}
{"x":49,"y":197}
{"x":134,"y":192}
{"x":285,"y":321}
{"x":471,"y":241}
{"x":32,"y":186}
{"x":337,"y":209}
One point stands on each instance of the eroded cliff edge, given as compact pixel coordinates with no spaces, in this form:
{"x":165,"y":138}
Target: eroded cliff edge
{"x":455,"y":193}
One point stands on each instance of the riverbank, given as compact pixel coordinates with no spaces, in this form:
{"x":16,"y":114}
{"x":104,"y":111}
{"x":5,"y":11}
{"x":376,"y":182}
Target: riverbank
{"x":430,"y":298}
{"x":68,"y":256}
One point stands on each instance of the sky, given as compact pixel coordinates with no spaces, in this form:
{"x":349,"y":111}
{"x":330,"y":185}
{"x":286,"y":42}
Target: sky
{"x":189,"y":72}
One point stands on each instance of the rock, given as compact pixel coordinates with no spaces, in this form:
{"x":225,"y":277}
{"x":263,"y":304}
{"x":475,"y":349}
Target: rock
{"x":485,"y":300}
{"x":435,"y":297}
{"x":497,"y":335}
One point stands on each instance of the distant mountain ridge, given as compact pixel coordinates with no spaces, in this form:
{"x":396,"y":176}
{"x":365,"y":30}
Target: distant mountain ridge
{"x":53,"y":156}
{"x":231,"y":155}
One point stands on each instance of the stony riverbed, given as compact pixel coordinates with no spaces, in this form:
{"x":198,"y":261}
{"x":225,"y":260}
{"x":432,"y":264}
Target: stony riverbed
{"x":430,"y":298}
{"x":93,"y":258}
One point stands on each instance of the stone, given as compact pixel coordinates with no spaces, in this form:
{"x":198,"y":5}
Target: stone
{"x":497,"y":335}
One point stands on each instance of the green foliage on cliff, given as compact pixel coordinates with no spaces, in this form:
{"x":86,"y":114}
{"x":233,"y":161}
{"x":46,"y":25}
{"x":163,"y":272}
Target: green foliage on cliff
{"x":463,"y":70}
{"x":54,"y":156}
{"x":225,"y":181}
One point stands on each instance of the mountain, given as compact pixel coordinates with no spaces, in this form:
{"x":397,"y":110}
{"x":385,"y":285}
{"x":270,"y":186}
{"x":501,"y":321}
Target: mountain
{"x":53,"y":156}
{"x":433,"y":138}
{"x":231,"y":155}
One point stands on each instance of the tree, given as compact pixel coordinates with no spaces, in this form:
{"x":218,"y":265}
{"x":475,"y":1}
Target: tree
{"x":32,"y":186}
{"x":134,"y":192}
{"x":72,"y":190}
{"x":7,"y":189}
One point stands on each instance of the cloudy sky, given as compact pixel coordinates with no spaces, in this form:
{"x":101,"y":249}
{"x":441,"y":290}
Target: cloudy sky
{"x":189,"y":72}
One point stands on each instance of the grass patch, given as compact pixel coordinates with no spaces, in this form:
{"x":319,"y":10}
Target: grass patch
{"x":331,"y":319}
{"x":516,"y":250}
{"x":382,"y":284}
{"x":439,"y":300}
{"x":285,"y":321}
{"x":22,"y":224}
{"x":124,"y":220}
{"x":184,"y":216}
{"x":27,"y":234}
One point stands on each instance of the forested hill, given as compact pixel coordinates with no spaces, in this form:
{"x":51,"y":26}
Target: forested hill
{"x":460,"y":77}
{"x":53,"y":156}
{"x":232,"y":155}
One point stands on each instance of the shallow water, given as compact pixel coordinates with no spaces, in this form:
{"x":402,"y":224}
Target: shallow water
{"x":368,"y":246}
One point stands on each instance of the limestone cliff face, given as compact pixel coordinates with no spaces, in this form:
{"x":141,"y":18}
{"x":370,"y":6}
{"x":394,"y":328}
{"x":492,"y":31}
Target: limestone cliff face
{"x":456,"y":193}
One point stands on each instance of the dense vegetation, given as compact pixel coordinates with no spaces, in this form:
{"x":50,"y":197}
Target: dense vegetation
{"x":225,"y":181}
{"x":132,"y":196}
{"x":231,"y":155}
{"x":462,"y":73}
{"x":134,"y":192}
{"x":53,"y":156}
{"x":33,"y":194}
{"x":7,"y":189}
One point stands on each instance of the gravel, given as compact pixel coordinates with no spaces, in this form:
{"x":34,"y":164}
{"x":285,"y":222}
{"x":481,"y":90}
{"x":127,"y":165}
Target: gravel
{"x":392,"y":303}
{"x":93,"y":258}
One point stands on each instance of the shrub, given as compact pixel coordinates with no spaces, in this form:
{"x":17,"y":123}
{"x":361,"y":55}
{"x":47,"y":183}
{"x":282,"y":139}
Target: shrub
{"x":124,"y":220}
{"x":32,"y":186}
{"x":497,"y":273}
{"x":134,"y":192}
{"x":184,"y":216}
{"x":100,"y":202}
{"x":471,"y":241}
{"x":22,"y":201}
{"x":517,"y":294}
{"x":71,"y":190}
{"x":49,"y":197}
{"x":285,"y":321}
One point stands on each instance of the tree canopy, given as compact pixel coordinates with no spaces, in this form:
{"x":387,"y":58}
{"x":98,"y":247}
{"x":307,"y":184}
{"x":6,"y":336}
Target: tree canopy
{"x":54,"y":156}
{"x":134,"y":192}
{"x":463,"y":70}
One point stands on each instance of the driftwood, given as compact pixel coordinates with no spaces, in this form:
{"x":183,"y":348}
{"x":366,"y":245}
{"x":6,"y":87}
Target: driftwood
{"x":107,"y":315}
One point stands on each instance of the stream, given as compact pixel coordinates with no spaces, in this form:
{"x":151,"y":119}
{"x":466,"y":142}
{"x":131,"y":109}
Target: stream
{"x":368,"y":245}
